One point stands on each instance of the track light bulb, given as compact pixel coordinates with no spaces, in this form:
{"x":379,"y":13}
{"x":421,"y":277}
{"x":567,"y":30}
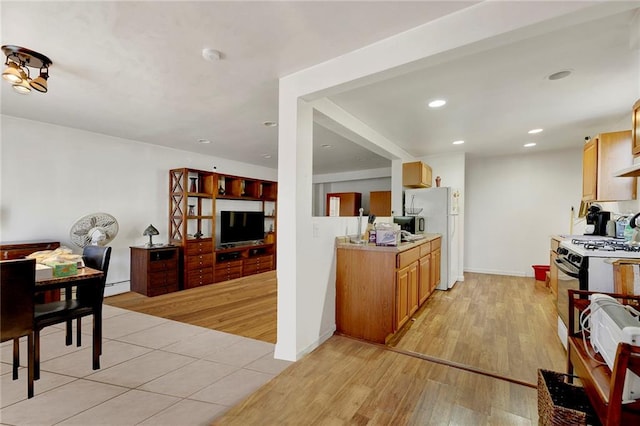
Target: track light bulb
{"x":13,"y":73}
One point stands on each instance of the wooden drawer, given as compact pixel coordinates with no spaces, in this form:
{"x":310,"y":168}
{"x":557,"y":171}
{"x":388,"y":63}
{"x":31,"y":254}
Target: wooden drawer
{"x":197,"y":247}
{"x":163,"y":278}
{"x":157,"y":291}
{"x":435,"y":244}
{"x":256,"y":268}
{"x":163,"y":265}
{"x":425,"y":249}
{"x":228,"y":275}
{"x":199,"y":277}
{"x":408,"y":257}
{"x":259,"y":260}
{"x":199,"y":261}
{"x":233,"y":264}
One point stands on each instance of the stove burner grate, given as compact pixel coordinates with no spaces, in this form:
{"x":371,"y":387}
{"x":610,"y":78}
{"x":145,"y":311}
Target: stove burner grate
{"x":606,"y":245}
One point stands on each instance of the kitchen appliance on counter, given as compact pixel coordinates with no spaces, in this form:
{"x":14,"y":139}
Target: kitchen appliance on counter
{"x":413,"y":224}
{"x":596,"y":221}
{"x":585,"y":263}
{"x":435,"y":205}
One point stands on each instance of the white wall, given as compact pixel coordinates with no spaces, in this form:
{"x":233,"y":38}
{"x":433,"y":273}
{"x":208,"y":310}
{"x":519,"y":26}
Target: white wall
{"x":52,"y":175}
{"x":514,"y":204}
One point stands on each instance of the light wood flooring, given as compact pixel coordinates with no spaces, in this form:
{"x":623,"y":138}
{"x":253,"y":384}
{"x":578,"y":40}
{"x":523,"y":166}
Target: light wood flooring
{"x":244,"y":307}
{"x":500,"y":325}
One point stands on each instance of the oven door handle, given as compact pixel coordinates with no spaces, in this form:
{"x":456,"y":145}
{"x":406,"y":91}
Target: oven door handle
{"x":567,"y":268}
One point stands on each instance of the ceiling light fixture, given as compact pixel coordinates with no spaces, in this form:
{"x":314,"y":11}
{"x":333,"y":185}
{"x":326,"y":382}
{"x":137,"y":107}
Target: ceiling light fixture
{"x":269,"y":123}
{"x":458,"y":142}
{"x":18,"y":61}
{"x":204,"y":141}
{"x":267,"y":156}
{"x":437,"y":103}
{"x":534,"y":131}
{"x":326,"y":146}
{"x":529,"y":145}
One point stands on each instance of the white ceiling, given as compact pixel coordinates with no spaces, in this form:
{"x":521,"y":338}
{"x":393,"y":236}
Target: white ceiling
{"x":134,"y":70}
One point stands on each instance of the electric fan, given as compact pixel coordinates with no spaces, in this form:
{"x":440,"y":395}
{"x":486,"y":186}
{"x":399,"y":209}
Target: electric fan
{"x":95,"y":229}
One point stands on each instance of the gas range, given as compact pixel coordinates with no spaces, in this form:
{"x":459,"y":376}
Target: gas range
{"x":594,"y":246}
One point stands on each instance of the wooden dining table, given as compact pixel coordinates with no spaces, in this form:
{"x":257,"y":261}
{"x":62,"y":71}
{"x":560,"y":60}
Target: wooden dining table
{"x":85,"y":276}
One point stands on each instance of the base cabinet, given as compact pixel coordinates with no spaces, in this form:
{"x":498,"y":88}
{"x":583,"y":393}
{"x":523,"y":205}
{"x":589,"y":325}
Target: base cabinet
{"x":154,"y":271}
{"x":243,"y":261}
{"x":378,"y":289}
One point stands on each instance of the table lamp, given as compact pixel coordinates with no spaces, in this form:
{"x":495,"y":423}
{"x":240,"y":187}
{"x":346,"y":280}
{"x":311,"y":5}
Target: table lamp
{"x":150,"y":231}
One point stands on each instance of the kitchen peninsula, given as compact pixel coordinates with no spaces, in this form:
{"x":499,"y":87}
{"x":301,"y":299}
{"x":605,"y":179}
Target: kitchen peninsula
{"x":378,"y":288}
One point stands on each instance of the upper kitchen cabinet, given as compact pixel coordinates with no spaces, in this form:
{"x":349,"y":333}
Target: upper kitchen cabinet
{"x":416,"y":175}
{"x":380,"y":203}
{"x":602,"y":157}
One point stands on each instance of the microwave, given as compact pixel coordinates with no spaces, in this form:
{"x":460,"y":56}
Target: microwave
{"x":413,"y":224}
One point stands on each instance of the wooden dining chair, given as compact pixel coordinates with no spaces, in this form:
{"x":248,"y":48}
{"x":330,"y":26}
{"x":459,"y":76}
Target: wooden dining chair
{"x":17,"y":283}
{"x":88,"y":301}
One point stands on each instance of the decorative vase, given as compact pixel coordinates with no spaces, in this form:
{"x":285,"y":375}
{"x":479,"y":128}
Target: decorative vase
{"x":437,"y":181}
{"x":194,"y":184}
{"x":191,"y":210}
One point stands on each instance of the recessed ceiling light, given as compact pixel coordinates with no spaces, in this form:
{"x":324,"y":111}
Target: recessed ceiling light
{"x":534,"y":131}
{"x":211,"y":55}
{"x":529,"y":145}
{"x":266,"y":156}
{"x":269,"y":123}
{"x":204,"y":141}
{"x":458,"y":142}
{"x":326,"y":146}
{"x":559,"y":75}
{"x":437,"y":103}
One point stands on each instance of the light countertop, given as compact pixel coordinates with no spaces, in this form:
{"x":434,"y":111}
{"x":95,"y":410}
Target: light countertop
{"x":343,"y":243}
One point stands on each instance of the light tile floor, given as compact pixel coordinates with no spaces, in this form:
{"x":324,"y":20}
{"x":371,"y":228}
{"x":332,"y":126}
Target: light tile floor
{"x":153,"y":371}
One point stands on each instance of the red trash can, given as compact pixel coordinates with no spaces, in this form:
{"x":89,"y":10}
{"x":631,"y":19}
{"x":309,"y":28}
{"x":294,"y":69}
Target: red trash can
{"x":540,"y":271}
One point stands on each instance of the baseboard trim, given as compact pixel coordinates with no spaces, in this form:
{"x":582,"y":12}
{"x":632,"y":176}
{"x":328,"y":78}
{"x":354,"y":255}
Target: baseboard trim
{"x":497,"y":272}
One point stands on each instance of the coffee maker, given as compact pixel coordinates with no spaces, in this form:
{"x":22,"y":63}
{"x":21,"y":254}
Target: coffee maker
{"x":596,"y":221}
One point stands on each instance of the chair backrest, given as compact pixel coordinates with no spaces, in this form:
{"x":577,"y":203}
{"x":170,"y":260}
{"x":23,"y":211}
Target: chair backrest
{"x":96,"y":257}
{"x":17,"y":282}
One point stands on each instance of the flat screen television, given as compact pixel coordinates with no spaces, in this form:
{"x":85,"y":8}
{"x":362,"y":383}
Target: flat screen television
{"x":240,"y":227}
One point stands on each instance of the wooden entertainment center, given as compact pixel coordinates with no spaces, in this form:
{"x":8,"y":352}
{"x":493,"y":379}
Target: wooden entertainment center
{"x":196,"y":198}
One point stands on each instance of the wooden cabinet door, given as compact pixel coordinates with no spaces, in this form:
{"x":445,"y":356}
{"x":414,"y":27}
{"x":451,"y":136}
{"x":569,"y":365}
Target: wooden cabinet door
{"x":413,"y":288}
{"x":350,"y":203}
{"x":613,"y":155}
{"x":380,"y":203}
{"x":435,"y":268}
{"x":402,"y":297}
{"x":590,"y":170}
{"x":553,"y":273}
{"x":424,"y":279}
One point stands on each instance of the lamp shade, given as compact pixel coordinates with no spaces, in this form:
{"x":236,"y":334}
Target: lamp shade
{"x":151,"y":230}
{"x":40,"y":83}
{"x":23,"y":87}
{"x":13,"y":73}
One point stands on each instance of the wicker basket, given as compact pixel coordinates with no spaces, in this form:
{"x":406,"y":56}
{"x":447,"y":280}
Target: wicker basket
{"x":562,"y":403}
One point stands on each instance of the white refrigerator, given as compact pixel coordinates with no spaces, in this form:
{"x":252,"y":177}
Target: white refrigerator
{"x":441,"y":217}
